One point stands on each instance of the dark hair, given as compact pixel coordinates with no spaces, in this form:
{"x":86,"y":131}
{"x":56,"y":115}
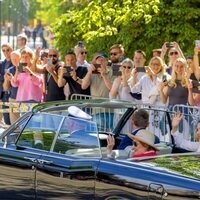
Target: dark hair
{"x":70,"y":52}
{"x":141,"y":52}
{"x":141,"y":118}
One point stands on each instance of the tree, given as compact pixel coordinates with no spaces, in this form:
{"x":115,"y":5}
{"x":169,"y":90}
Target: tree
{"x":137,"y":24}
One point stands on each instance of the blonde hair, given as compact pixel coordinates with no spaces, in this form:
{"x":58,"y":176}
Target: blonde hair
{"x":172,"y":82}
{"x":28,"y":51}
{"x":162,"y":70}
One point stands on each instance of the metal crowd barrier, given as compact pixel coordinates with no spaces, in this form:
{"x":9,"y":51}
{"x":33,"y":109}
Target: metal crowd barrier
{"x":159,"y":121}
{"x":8,"y":107}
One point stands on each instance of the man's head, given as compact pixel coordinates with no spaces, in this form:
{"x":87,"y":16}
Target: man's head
{"x":140,"y":119}
{"x":81,"y":52}
{"x":70,"y":59}
{"x":157,"y":52}
{"x":102,"y":59}
{"x":21,"y":41}
{"x":139,"y":58}
{"x":53,"y":55}
{"x":6,"y":49}
{"x":116,"y":52}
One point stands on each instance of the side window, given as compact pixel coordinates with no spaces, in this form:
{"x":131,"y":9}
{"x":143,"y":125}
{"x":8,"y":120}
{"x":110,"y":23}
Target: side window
{"x":40,"y":131}
{"x":78,"y":137}
{"x":13,"y":133}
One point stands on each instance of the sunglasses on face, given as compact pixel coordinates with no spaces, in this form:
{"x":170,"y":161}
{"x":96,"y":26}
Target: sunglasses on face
{"x":113,"y":54}
{"x":173,"y":53}
{"x":84,"y":52}
{"x":126,"y":67}
{"x":4,"y":50}
{"x":53,"y":55}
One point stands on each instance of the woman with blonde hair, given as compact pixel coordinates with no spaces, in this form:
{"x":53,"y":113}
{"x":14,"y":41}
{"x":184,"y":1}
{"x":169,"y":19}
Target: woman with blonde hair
{"x":149,"y":83}
{"x":177,"y":90}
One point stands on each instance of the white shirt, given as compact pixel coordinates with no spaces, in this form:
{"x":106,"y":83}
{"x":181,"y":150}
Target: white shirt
{"x":185,"y":144}
{"x":149,"y":90}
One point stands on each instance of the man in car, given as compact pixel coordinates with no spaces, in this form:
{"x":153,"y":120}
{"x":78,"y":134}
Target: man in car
{"x":178,"y":137}
{"x":140,"y":120}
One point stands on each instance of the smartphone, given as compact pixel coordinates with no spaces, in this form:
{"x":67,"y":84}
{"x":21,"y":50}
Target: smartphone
{"x":21,"y":67}
{"x":96,"y":67}
{"x":164,"y":78}
{"x":68,"y":70}
{"x":196,"y":86}
{"x":49,"y":62}
{"x":169,"y":45}
{"x":140,"y":69}
{"x":197,"y":44}
{"x":116,"y":70}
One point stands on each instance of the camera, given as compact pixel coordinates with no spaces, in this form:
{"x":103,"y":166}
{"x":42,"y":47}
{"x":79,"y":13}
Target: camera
{"x":68,"y":70}
{"x":116,"y":70}
{"x":164,"y":78}
{"x":140,"y":69}
{"x":197,"y":44}
{"x":21,"y":67}
{"x":49,"y":62}
{"x":96,"y":67}
{"x":169,"y":45}
{"x":80,"y":44}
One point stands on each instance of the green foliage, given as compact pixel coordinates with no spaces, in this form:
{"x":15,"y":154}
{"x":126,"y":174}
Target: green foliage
{"x":137,"y":24}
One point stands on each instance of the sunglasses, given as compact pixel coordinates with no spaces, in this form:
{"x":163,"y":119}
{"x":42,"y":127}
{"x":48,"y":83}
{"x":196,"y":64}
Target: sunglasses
{"x":173,"y":53}
{"x":84,"y":52}
{"x":4,"y":50}
{"x":127,"y":67}
{"x":53,"y":55}
{"x":113,"y":54}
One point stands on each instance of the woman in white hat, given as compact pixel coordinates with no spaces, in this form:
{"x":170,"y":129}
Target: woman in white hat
{"x":144,"y":144}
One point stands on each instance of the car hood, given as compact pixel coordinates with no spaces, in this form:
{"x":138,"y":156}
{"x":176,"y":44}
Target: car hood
{"x":182,"y":164}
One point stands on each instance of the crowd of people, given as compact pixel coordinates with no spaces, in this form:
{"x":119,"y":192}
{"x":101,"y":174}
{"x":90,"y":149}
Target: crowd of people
{"x":28,"y":76}
{"x":33,"y":77}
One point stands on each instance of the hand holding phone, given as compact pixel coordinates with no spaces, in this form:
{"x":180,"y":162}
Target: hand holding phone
{"x":68,"y":69}
{"x":169,"y":45}
{"x":116,"y":70}
{"x":49,"y":62}
{"x":97,"y":66}
{"x":197,"y":44}
{"x":21,"y":67}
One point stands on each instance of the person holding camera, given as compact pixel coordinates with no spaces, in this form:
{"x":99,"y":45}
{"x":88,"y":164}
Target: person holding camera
{"x":50,"y":70}
{"x":99,"y":77}
{"x":72,"y":74}
{"x":174,"y":53}
{"x":121,"y":82}
{"x":29,"y":83}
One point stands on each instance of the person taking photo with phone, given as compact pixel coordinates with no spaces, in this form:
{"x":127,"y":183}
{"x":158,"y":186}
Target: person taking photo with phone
{"x":50,"y":70}
{"x":99,"y":77}
{"x":72,"y":74}
{"x":29,"y":83}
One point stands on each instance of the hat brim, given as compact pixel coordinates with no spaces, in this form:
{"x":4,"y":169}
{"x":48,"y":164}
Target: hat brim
{"x":134,"y":137}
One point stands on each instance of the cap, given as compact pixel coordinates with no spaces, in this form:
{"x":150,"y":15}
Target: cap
{"x":103,"y":55}
{"x":144,"y":136}
{"x":77,"y":112}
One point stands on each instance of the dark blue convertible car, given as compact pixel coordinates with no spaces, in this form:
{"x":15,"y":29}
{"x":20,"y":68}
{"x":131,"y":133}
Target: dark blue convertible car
{"x":50,"y":153}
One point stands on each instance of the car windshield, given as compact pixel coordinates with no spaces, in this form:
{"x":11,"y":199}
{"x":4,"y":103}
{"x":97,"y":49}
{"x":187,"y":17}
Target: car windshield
{"x":61,"y":134}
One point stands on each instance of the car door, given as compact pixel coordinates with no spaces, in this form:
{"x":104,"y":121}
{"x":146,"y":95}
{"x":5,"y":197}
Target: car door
{"x":17,"y":165}
{"x":68,"y":171}
{"x":17,"y":173}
